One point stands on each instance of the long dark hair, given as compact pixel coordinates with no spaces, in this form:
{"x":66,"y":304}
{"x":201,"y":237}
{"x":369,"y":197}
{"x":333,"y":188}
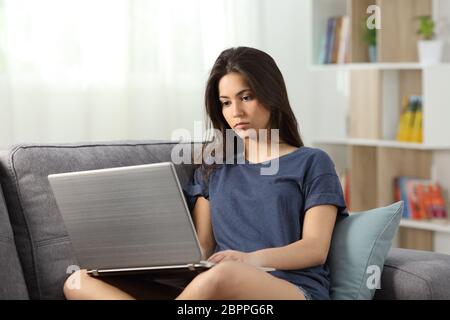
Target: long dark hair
{"x":265,"y":80}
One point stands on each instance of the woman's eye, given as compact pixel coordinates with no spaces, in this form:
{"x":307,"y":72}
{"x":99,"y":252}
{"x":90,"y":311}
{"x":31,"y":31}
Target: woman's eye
{"x":246,"y":98}
{"x":225,"y":103}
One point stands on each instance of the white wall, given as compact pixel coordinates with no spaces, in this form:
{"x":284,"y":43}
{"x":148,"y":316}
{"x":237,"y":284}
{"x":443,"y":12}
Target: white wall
{"x":283,"y":31}
{"x":286,"y":36}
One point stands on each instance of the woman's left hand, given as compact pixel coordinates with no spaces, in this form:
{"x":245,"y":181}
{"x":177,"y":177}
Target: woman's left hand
{"x":232,"y":255}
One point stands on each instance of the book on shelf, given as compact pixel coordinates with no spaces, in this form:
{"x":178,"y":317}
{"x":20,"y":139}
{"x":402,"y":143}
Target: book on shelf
{"x":423,"y":199}
{"x":335,"y":46}
{"x":410,"y":124}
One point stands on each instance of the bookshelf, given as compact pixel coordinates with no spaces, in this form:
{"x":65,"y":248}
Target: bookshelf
{"x":362,"y":101}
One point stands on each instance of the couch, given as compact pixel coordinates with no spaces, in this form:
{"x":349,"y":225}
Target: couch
{"x":36,"y":250}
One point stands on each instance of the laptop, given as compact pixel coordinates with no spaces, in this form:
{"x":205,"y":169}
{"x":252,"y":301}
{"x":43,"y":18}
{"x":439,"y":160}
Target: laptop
{"x":129,"y":220}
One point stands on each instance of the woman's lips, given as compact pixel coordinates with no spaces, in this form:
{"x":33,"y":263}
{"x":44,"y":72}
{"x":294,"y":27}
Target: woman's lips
{"x":242,"y":125}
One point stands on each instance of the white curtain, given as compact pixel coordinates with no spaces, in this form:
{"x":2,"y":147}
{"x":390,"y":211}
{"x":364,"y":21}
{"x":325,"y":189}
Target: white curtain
{"x":90,"y":70}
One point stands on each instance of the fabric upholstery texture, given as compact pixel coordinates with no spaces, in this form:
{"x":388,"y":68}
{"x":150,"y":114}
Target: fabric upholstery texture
{"x":12,"y":282}
{"x":413,"y":274}
{"x":35,"y":250}
{"x":43,"y":244}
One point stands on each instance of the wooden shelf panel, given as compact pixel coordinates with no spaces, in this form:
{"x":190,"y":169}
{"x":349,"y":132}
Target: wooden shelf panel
{"x":415,"y":239}
{"x":397,"y":39}
{"x":392,"y":162}
{"x":357,"y":10}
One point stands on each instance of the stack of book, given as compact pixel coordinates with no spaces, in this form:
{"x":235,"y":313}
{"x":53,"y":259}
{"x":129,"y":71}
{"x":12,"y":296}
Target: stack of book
{"x":335,"y":46}
{"x":410,"y":124}
{"x":422,"y":198}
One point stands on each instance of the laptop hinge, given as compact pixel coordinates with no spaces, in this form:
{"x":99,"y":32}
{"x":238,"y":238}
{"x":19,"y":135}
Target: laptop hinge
{"x":191,"y":267}
{"x":94,"y":272}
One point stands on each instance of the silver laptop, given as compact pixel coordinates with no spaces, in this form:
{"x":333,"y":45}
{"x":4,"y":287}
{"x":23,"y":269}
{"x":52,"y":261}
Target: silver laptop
{"x":129,"y":220}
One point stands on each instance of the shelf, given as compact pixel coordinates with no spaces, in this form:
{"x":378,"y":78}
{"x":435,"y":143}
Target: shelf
{"x":380,"y":143}
{"x":367,"y":66}
{"x":374,"y":66}
{"x":443,"y":226}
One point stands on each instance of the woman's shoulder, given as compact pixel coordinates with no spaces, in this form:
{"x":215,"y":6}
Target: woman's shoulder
{"x":317,"y":162}
{"x":314,"y":154}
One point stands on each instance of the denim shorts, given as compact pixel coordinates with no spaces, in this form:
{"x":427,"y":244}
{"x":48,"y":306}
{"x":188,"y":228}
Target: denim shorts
{"x":305,"y":293}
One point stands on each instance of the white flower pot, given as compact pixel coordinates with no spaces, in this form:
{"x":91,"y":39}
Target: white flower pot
{"x":430,"y":51}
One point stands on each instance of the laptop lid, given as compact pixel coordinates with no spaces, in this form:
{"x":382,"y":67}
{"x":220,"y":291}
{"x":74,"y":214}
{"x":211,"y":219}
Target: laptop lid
{"x":127,"y":217}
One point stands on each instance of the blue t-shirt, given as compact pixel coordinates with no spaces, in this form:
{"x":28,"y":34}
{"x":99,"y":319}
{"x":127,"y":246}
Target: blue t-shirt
{"x":250,"y":211}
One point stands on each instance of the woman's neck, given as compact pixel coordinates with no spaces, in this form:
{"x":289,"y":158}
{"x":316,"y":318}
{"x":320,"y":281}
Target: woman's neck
{"x":260,"y":151}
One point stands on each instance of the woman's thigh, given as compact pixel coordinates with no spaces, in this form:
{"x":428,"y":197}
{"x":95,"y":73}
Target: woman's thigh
{"x":236,"y":280}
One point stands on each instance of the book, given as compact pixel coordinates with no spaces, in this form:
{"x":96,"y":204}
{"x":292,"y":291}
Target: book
{"x":402,"y":131}
{"x":410,"y":127}
{"x":416,"y":121}
{"x":335,"y":46}
{"x":423,"y":199}
{"x":329,"y":39}
{"x":344,"y":40}
{"x":337,"y":39}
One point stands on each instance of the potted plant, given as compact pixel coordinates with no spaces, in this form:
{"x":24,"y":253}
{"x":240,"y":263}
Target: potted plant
{"x":370,"y":38}
{"x":430,"y":48}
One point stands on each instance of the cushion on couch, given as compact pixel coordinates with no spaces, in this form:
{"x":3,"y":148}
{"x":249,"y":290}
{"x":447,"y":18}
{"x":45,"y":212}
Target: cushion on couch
{"x":42,"y":241}
{"x":12,"y":282}
{"x":358,"y":250}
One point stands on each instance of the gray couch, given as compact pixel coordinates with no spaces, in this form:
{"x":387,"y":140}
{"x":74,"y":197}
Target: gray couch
{"x":35,"y":250}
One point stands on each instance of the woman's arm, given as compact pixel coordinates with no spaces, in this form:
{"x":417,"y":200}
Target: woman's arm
{"x":202,"y":221}
{"x":311,"y":250}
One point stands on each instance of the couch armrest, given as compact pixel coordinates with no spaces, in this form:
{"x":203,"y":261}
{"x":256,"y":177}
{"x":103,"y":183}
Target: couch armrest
{"x":413,"y":274}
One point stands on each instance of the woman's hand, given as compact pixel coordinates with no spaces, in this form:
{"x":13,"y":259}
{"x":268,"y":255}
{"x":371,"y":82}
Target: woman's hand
{"x":232,"y":255}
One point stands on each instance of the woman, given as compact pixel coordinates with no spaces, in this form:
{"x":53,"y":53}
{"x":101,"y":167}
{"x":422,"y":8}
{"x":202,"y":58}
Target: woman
{"x":245,"y":219}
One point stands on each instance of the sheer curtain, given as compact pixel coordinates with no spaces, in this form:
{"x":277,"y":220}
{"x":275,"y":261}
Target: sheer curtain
{"x":89,"y":70}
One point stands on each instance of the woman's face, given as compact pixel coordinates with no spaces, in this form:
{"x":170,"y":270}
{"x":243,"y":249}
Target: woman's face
{"x":240,"y":106}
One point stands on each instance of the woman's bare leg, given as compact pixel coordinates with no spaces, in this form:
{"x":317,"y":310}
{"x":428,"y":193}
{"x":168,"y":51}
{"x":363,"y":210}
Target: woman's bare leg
{"x":235,"y":280}
{"x":81,"y":286}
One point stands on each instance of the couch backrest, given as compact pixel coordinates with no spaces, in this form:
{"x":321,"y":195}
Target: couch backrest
{"x":41,"y":238}
{"x":12,"y":282}
{"x":415,"y":275}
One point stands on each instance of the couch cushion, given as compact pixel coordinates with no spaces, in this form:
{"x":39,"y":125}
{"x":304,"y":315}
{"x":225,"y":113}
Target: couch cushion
{"x":358,"y":250}
{"x":414,"y":274}
{"x":12,"y":282}
{"x":43,"y":245}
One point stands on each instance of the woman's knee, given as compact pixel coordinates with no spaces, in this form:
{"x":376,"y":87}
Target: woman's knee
{"x":75,"y":283}
{"x":219,"y":277}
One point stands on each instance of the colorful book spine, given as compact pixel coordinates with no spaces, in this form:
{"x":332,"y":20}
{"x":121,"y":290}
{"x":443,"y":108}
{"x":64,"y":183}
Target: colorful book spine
{"x":416,"y":127}
{"x":410,"y":128}
{"x":422,"y":198}
{"x":335,"y":46}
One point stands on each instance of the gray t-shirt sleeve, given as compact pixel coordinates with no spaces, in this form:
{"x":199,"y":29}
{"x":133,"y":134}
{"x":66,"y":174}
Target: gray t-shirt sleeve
{"x":322,"y":185}
{"x":196,"y":187}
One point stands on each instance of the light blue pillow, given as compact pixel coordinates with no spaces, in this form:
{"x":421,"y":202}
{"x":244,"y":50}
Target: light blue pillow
{"x":358,"y":250}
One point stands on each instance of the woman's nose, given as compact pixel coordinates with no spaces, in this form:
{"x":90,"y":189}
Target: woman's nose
{"x":237,"y":110}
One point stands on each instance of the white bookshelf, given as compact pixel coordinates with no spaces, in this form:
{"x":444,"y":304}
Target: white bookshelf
{"x":380,"y":143}
{"x":439,"y":226}
{"x":431,"y":82}
{"x":358,"y":106}
{"x":367,"y":66}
